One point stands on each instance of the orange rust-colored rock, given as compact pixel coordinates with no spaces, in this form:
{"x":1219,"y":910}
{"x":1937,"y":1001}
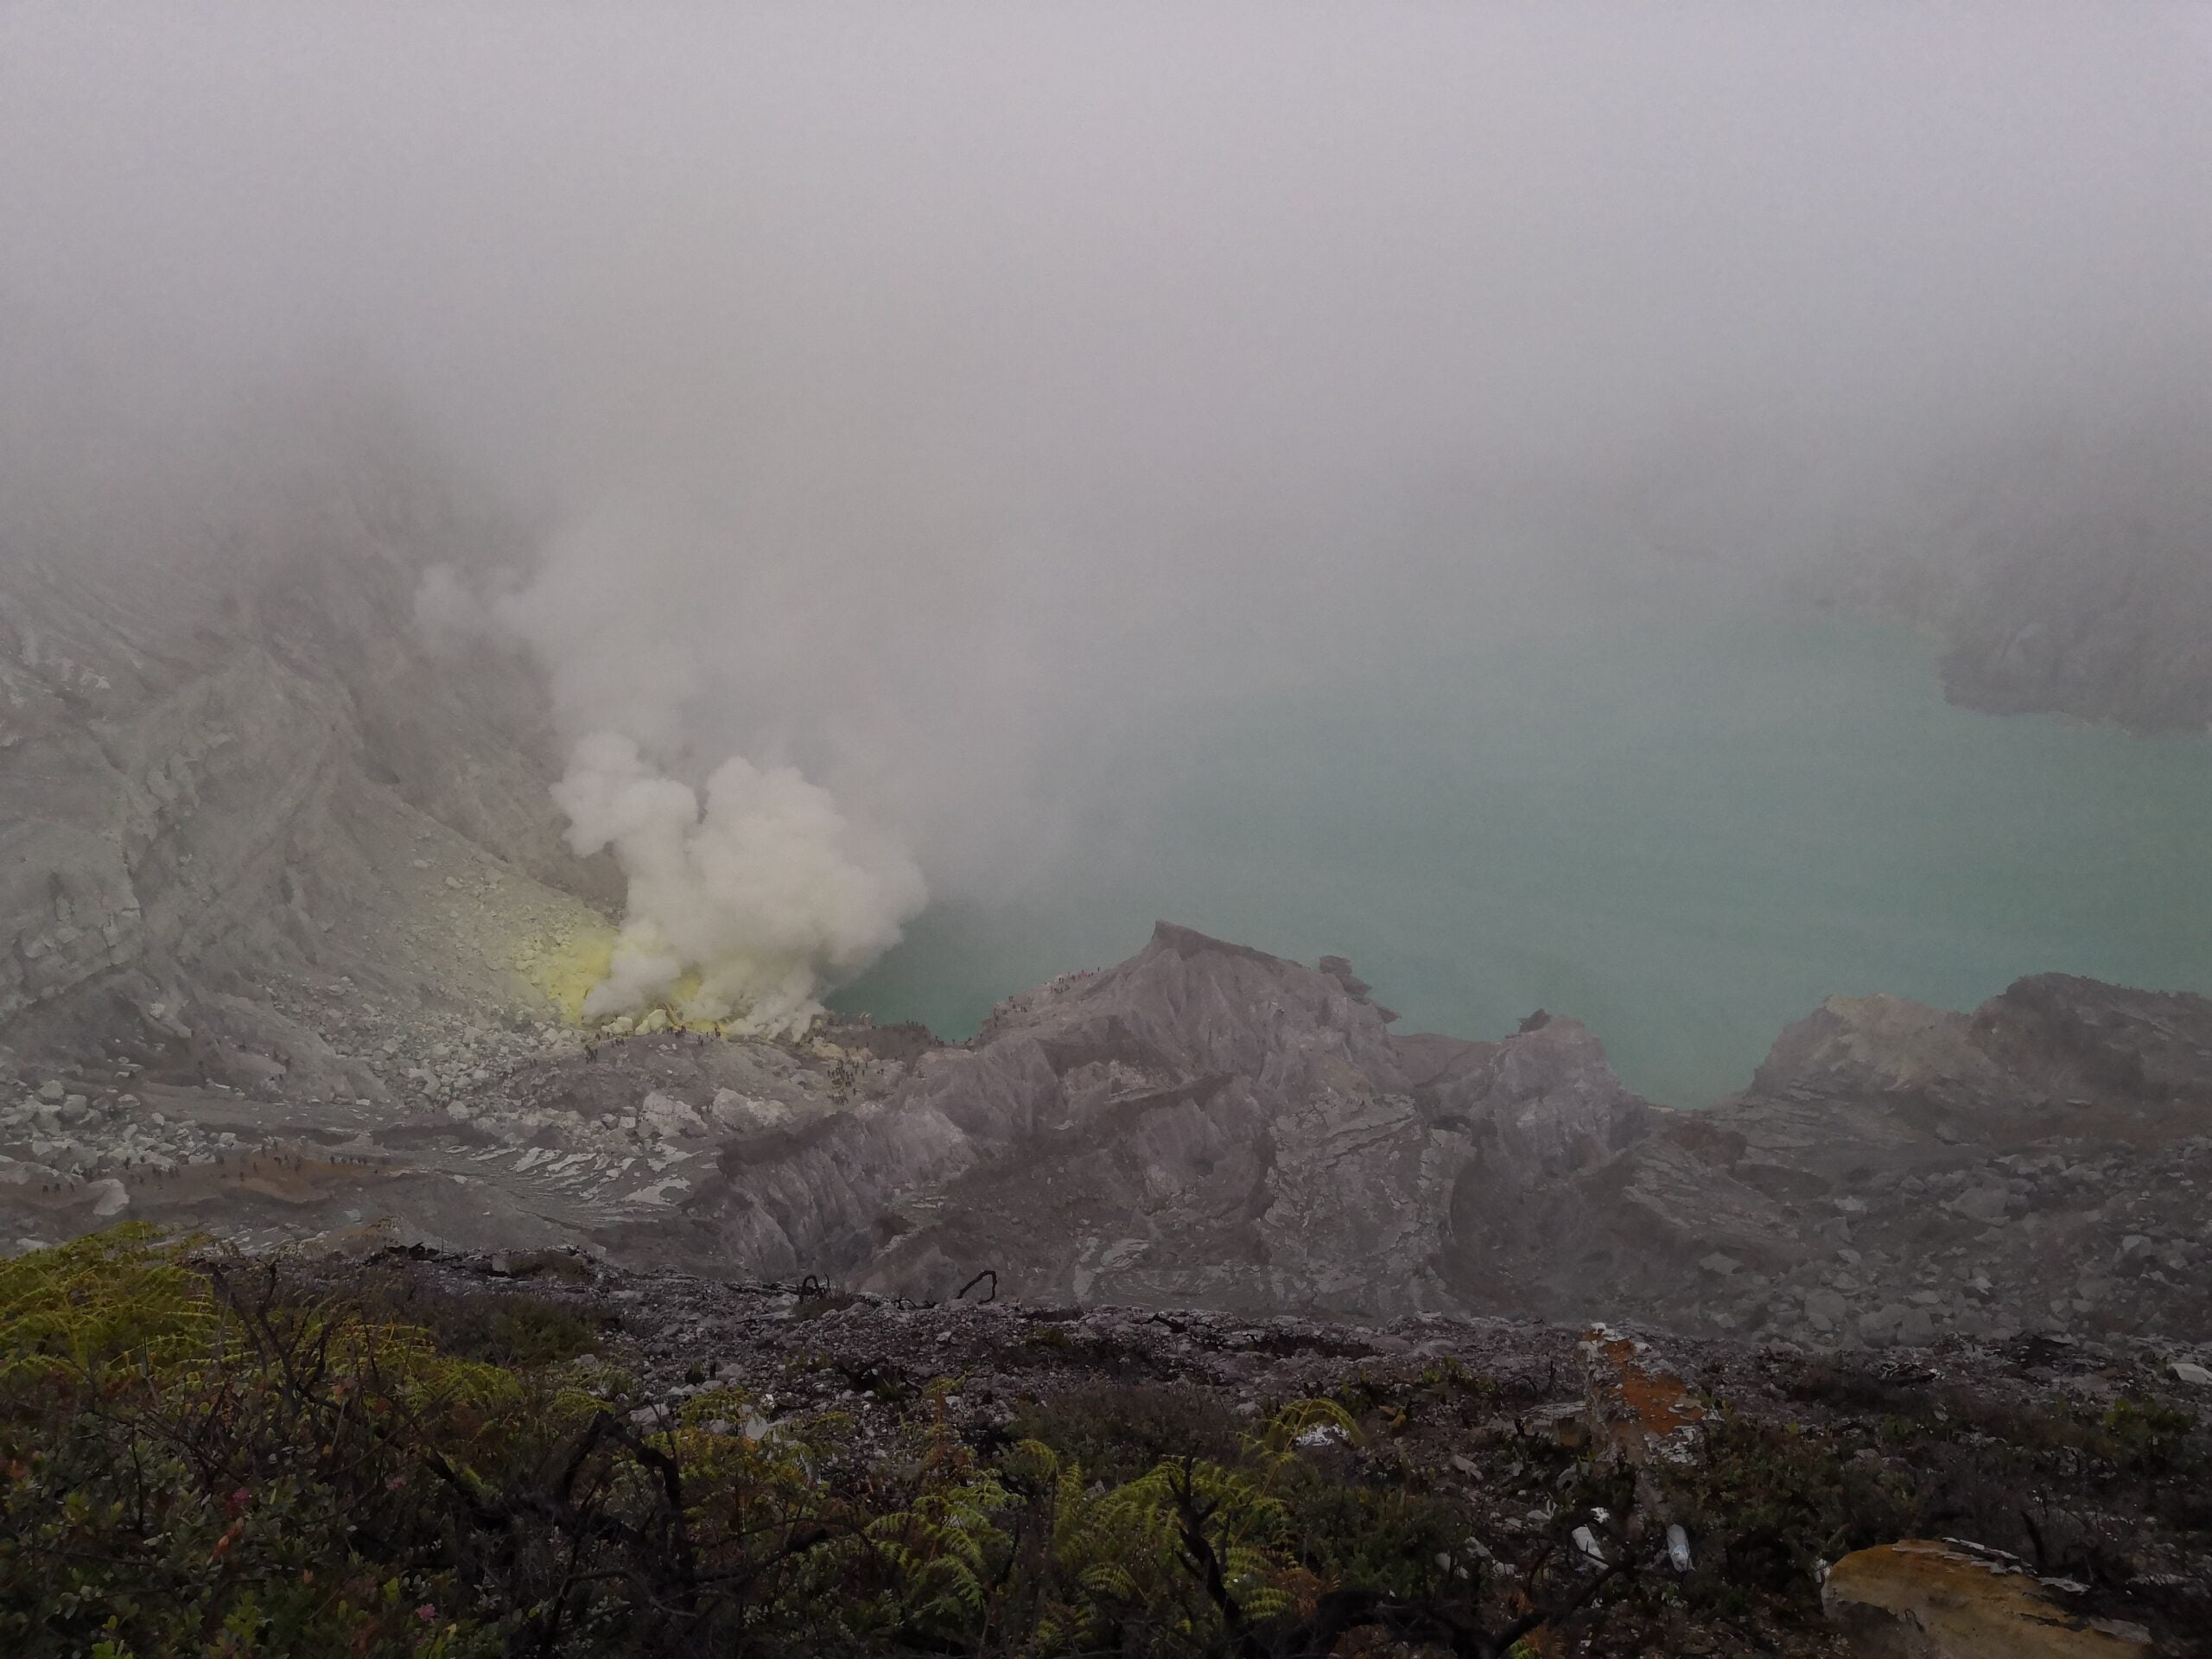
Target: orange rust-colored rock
{"x":1634,"y":1402}
{"x":1925,"y":1598}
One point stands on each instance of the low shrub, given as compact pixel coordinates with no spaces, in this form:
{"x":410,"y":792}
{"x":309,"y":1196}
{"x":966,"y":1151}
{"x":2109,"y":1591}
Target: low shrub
{"x":207,"y":1455}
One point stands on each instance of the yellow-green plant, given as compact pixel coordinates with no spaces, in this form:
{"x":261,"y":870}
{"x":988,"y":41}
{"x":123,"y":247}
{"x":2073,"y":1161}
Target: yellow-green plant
{"x":116,"y":1296}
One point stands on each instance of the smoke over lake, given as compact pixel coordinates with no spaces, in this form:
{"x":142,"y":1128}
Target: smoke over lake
{"x":1688,"y":832}
{"x":1250,"y":463}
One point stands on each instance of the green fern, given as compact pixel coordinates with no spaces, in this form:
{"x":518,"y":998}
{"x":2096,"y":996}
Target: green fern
{"x":111,"y":1297}
{"x":941,"y":1546}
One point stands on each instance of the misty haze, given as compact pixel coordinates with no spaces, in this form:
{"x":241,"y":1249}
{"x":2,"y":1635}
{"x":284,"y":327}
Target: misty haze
{"x":1421,"y":689}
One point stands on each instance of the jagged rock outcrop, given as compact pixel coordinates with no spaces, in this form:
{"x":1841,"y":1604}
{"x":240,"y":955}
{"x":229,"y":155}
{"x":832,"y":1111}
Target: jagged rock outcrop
{"x":1204,"y":1124}
{"x":1208,"y":1125}
{"x":1895,"y":1171}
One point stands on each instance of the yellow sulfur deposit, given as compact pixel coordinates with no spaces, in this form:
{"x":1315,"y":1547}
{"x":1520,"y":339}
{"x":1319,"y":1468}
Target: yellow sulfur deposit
{"x":566,"y":966}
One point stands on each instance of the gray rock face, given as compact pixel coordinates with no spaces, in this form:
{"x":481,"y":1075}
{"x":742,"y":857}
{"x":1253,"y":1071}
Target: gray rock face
{"x":2104,"y":616}
{"x":1204,"y":1124}
{"x":2073,"y":577}
{"x":1975,"y":1166}
{"x":231,"y":771}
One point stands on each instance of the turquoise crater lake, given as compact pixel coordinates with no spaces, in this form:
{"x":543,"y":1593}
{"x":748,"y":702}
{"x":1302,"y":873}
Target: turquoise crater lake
{"x":1686,"y":833}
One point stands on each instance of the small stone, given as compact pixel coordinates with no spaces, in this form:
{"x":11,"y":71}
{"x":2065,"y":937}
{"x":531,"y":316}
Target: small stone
{"x":1881,"y":1322}
{"x":2189,"y":1371}
{"x":52,"y":1092}
{"x":1825,"y":1309}
{"x":1983,"y":1203}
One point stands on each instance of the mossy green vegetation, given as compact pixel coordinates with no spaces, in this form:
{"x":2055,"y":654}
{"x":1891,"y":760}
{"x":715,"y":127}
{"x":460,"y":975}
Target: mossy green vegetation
{"x":206,"y":1454}
{"x":203,"y":1454}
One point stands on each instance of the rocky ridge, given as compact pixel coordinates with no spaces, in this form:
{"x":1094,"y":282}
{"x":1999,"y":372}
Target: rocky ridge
{"x":1208,"y":1126}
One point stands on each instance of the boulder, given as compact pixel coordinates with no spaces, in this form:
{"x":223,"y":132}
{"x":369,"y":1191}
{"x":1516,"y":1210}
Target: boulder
{"x":667,"y":1115}
{"x":1634,"y":1405}
{"x":1926,"y":1599}
{"x":739,"y":1113}
{"x":1826,"y":1309}
{"x":1983,"y":1203}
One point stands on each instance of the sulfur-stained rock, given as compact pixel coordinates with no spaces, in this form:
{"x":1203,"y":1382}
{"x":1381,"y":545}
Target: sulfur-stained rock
{"x":1635,"y":1404}
{"x":1928,"y":1598}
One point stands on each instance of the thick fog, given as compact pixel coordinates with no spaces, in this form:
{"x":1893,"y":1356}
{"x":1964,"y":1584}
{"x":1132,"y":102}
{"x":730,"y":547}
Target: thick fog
{"x":919,"y":397}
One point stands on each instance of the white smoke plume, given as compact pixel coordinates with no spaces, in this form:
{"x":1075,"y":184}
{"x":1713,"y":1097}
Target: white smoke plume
{"x":745,"y":903}
{"x":972,"y":407}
